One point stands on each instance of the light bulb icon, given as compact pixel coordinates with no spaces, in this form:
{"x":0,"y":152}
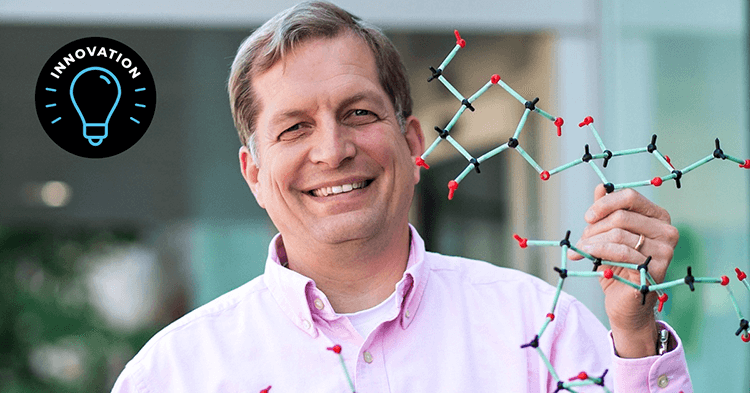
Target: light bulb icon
{"x":96,"y":131}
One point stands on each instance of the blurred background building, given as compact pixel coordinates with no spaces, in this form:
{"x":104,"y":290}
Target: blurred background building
{"x":98,"y":255}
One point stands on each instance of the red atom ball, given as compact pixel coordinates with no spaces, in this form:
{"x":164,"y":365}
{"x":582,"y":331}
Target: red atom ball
{"x":740,"y":274}
{"x":265,"y":390}
{"x":608,"y":273}
{"x":459,"y":41}
{"x":559,"y":122}
{"x":588,"y":120}
{"x":452,"y":186}
{"x":656,"y":181}
{"x":420,"y":162}
{"x":724,"y":280}
{"x":544,"y":175}
{"x":662,"y":299}
{"x":745,"y":337}
{"x":521,"y":241}
{"x":582,"y":376}
{"x":495,"y":78}
{"x":551,"y":317}
{"x":336,"y":348}
{"x":746,"y":165}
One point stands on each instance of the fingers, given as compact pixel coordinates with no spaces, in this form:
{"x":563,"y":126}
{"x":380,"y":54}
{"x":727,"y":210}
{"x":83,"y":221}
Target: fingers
{"x":615,"y":235}
{"x":627,"y":199}
{"x":636,"y":224}
{"x":655,"y":248}
{"x":621,"y":253}
{"x":614,"y":252}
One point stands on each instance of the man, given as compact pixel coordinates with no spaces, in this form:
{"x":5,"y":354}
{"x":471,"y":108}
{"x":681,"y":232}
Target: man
{"x":322,"y":106}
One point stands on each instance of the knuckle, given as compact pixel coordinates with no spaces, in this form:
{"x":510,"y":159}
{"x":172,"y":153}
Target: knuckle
{"x":665,"y":252}
{"x":617,"y":235}
{"x":631,"y":196}
{"x":629,"y":193}
{"x":662,"y":250}
{"x":673,"y":235}
{"x":618,"y":218}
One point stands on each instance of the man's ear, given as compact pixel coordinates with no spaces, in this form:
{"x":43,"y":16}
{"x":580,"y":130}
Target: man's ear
{"x":249,"y":169}
{"x":415,"y":140}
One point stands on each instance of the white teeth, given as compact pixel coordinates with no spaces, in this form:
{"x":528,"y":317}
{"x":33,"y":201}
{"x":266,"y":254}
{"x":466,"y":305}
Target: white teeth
{"x":326,"y":191}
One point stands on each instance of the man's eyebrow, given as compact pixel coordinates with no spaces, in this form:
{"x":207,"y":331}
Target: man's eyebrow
{"x":287,"y":115}
{"x":363,"y":96}
{"x":369,"y":96}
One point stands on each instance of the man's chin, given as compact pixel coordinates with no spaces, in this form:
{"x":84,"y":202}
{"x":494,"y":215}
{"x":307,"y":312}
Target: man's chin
{"x":348,"y":229}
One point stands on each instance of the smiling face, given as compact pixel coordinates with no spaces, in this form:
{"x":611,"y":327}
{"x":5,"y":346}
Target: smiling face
{"x":333,"y":165}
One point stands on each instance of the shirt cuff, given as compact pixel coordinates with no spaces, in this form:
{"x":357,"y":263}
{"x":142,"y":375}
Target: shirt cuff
{"x":666,"y":373}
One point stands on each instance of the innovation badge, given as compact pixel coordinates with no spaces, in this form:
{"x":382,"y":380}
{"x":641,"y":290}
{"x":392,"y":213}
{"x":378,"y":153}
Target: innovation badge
{"x":95,"y":97}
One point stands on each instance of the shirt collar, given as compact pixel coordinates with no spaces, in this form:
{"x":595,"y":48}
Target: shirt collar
{"x":297,"y":294}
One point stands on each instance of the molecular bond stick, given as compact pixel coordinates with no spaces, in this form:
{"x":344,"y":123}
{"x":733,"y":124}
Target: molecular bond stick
{"x":647,"y":283}
{"x":337,"y":350}
{"x":513,"y":143}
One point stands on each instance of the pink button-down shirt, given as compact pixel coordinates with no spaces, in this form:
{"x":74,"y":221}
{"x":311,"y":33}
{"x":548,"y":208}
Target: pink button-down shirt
{"x":456,"y":325}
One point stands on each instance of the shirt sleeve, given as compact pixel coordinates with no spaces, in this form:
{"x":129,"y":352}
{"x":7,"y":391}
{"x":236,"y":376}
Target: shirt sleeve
{"x":665,"y":373}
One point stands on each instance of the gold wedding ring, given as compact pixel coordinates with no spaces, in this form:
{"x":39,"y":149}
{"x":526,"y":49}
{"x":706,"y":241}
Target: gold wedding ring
{"x":639,"y":244}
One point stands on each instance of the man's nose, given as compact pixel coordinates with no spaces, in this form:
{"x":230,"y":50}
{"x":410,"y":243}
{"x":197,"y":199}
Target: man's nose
{"x":333,"y":145}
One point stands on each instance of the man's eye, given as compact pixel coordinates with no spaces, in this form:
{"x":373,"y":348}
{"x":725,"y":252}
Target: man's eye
{"x":291,"y":132}
{"x":360,"y":117}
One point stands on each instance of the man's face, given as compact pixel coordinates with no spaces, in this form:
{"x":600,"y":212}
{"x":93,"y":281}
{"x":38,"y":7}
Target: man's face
{"x":333,"y":165}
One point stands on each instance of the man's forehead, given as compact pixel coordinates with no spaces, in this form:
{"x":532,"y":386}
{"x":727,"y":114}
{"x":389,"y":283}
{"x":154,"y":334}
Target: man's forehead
{"x":342,"y":69}
{"x":293,"y":109}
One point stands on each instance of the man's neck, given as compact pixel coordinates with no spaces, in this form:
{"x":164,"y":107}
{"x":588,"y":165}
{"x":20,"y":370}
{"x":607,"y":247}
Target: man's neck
{"x":356,"y":275}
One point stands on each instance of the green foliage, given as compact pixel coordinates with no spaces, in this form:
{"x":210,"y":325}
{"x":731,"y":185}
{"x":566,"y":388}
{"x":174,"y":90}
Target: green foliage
{"x":46,"y":313}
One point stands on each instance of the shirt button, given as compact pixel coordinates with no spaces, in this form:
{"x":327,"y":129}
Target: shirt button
{"x":663,"y":381}
{"x":319,"y":304}
{"x":306,"y":324}
{"x":368,"y":357}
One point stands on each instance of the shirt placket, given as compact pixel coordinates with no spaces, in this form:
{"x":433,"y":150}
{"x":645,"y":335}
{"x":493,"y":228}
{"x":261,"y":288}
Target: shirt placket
{"x":370,"y":373}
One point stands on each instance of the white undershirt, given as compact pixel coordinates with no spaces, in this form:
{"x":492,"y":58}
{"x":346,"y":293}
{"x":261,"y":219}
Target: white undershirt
{"x":366,"y":321}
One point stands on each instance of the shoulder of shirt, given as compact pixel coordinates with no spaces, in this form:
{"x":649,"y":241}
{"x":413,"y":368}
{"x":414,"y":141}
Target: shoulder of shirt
{"x":495,"y":282}
{"x":213,"y":309}
{"x":477,"y":273}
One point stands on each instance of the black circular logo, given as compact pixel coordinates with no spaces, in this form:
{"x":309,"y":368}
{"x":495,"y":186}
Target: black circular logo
{"x":95,"y":97}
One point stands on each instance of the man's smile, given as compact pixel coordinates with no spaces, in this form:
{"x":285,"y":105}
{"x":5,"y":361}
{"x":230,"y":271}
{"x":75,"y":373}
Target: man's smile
{"x":339,"y":189}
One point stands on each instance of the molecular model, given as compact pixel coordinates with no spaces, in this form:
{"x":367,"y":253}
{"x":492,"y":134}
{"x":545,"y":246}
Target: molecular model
{"x":647,"y":283}
{"x":558,"y":121}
